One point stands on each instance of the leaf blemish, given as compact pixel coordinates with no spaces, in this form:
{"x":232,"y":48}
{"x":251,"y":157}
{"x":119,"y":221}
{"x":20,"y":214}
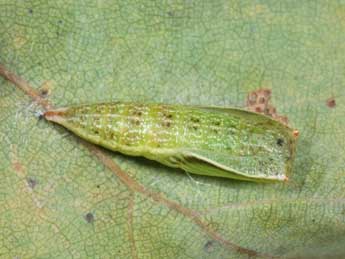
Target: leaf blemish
{"x":89,"y":217}
{"x":259,"y":101}
{"x":331,"y":103}
{"x":280,"y":142}
{"x":44,"y":92}
{"x":209,"y":246}
{"x":46,"y":88}
{"x":31,"y":182}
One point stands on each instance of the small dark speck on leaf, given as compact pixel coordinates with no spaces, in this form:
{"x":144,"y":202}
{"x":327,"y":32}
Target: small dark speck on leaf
{"x":31,"y":182}
{"x":44,"y":92}
{"x":89,"y":218}
{"x":280,"y":142}
{"x":331,"y":102}
{"x":30,"y":11}
{"x":39,"y":115}
{"x":209,"y":246}
{"x":98,"y":186}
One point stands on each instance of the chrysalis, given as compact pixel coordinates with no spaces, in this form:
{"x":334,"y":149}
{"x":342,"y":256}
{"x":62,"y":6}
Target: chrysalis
{"x":212,"y":141}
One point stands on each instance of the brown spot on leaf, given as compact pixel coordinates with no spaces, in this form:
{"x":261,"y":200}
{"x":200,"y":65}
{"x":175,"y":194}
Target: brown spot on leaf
{"x":43,"y":92}
{"x":296,"y":133}
{"x":331,"y":103}
{"x":89,"y":217}
{"x":18,"y":167}
{"x":259,"y":101}
{"x":46,"y":88}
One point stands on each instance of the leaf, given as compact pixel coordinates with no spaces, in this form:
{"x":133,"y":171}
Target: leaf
{"x":61,"y":197}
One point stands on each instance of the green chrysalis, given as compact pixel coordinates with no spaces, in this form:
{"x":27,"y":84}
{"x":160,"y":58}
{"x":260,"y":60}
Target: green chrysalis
{"x":213,"y":141}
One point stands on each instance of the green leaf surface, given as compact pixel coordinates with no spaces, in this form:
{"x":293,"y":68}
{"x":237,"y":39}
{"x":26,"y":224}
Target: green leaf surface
{"x":63,"y":198}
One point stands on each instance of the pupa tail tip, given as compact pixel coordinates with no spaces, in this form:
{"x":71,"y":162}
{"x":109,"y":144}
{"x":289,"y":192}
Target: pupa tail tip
{"x":54,"y":115}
